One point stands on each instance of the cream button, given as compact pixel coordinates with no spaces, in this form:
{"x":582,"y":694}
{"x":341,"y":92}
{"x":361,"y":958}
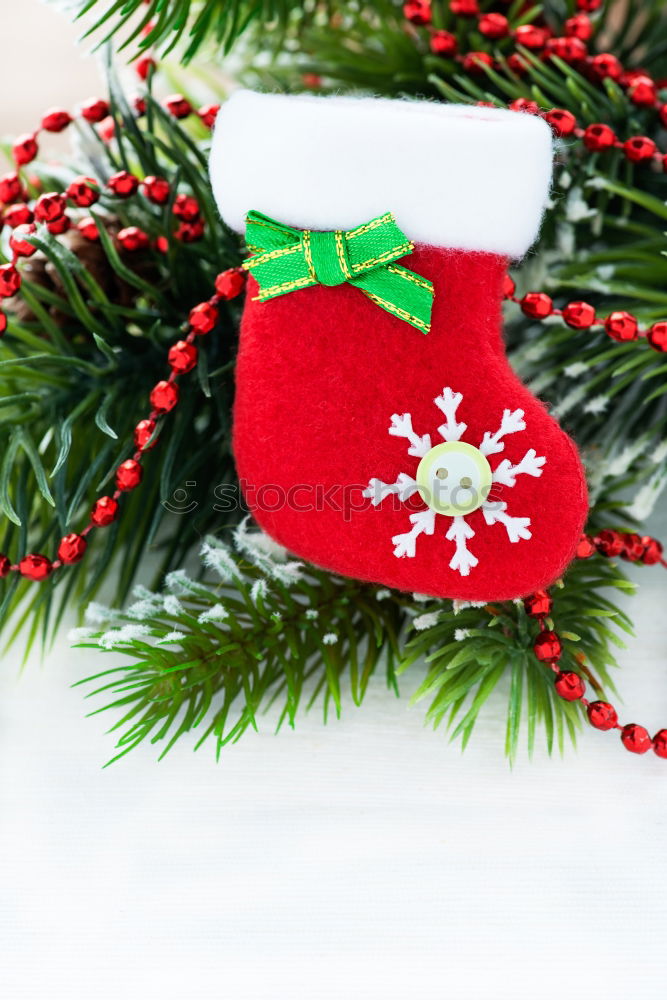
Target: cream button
{"x":454,"y":478}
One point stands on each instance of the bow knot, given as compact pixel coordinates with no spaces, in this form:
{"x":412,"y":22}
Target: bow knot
{"x":328,"y":254}
{"x":284,"y":260}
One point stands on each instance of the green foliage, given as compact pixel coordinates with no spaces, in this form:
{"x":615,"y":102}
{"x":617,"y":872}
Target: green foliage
{"x":469,"y":653}
{"x":77,"y":365}
{"x":190,"y":23}
{"x":210,"y":656}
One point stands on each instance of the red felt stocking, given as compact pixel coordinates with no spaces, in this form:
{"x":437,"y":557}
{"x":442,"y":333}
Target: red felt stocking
{"x":363,"y":445}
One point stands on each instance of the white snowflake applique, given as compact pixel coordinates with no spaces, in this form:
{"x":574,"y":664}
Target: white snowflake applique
{"x":455,"y":478}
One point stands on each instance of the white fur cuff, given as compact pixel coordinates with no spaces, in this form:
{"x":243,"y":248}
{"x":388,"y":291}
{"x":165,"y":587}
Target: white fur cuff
{"x":454,"y":176}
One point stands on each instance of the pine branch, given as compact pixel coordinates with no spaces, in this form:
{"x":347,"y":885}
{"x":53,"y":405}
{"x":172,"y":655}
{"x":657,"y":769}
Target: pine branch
{"x":469,"y":649}
{"x":189,"y":24}
{"x":210,"y":656}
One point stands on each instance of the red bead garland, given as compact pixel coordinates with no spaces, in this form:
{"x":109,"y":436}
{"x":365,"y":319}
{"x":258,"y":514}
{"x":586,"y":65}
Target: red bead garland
{"x":578,"y":30}
{"x":83,"y":192}
{"x":548,"y":647}
{"x":50,"y":210}
{"x":621,"y":326}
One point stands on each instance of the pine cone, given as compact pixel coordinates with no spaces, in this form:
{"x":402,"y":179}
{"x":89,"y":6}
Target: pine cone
{"x":39,"y":270}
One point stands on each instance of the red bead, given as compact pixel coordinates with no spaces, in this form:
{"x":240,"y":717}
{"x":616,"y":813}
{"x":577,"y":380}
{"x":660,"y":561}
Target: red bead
{"x":579,"y":26}
{"x":182,"y":357}
{"x":523,"y":104}
{"x":94,"y":110}
{"x":72,"y":548}
{"x":562,"y":122}
{"x":609,"y":543}
{"x":59,"y":226}
{"x":156,"y":189}
{"x":123,"y":184}
{"x":443,"y":43}
{"x":25,"y":149}
{"x":3,"y":324}
{"x":621,"y":326}
{"x":530,"y":36}
{"x":585,"y":548}
{"x":186,"y":207}
{"x":660,"y":743}
{"x":17,"y":215}
{"x":517,"y":64}
{"x":474,"y":62}
{"x":104,"y":512}
{"x":633,"y":547}
{"x":464,"y":8}
{"x":643,"y":92}
{"x":230,"y":283}
{"x":635,"y":738}
{"x":208,"y":113}
{"x":190,"y":232}
{"x":107,"y":129}
{"x":657,"y":336}
{"x":83,"y":191}
{"x":602,"y":715}
{"x":88,"y":229}
{"x":579,"y":315}
{"x":509,"y":287}
{"x":177,"y":105}
{"x":139,"y":104}
{"x":203,"y":317}
{"x":10,"y":188}
{"x":5,"y":565}
{"x":570,"y":50}
{"x":539,"y":604}
{"x":162,"y":244}
{"x":19,"y":246}
{"x":56,"y":119}
{"x":547,"y":647}
{"x":537,"y":305}
{"x":418,"y":11}
{"x":652,"y":553}
{"x":128,"y":475}
{"x":589,"y":5}
{"x":605,"y":64}
{"x":143,"y":433}
{"x":494,"y":25}
{"x":10,"y":281}
{"x":164,"y":396}
{"x":49,"y":207}
{"x":569,"y":685}
{"x":312,"y":81}
{"x":144,"y":65}
{"x":639,"y":148}
{"x":132,"y":238}
{"x":35,"y":566}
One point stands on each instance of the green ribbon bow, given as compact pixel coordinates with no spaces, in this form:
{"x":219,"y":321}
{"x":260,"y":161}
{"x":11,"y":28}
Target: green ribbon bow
{"x":284,"y":260}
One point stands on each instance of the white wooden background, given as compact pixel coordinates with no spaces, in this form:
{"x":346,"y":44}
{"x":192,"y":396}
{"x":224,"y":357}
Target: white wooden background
{"x":366,"y":860}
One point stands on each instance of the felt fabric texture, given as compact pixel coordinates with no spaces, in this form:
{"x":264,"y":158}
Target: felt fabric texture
{"x":455,"y":176}
{"x":319,"y":374}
